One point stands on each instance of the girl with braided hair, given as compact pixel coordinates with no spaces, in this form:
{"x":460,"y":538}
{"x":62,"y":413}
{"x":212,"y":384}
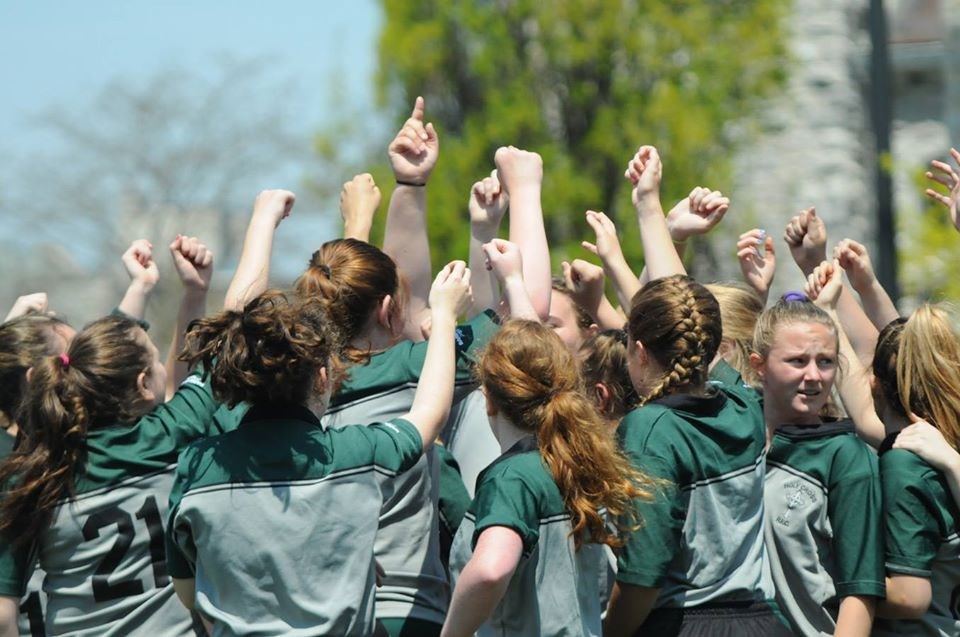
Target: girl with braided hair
{"x":695,"y":566}
{"x":527,"y":557}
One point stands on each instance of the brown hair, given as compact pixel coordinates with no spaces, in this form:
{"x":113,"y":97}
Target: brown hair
{"x":604,"y":360}
{"x":885,"y":364}
{"x":678,"y":322}
{"x":94,"y":385}
{"x":530,"y":376}
{"x":584,"y":320}
{"x":351,"y":278}
{"x":23,"y":342}
{"x":269,"y":352}
{"x":740,"y":307}
{"x":928,"y":370}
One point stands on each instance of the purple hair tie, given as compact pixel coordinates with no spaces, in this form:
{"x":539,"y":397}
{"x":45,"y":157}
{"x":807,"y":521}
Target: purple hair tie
{"x":795,"y":296}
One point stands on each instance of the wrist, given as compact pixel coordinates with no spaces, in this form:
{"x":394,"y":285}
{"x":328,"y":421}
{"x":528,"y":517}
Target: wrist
{"x":649,"y":204}
{"x":442,"y":317}
{"x":412,"y":182}
{"x":142,"y":286}
{"x":484,"y":231}
{"x":194,"y":294}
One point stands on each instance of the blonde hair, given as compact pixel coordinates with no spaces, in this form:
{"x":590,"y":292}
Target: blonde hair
{"x":740,"y":307}
{"x":530,"y":376}
{"x":928,"y":370}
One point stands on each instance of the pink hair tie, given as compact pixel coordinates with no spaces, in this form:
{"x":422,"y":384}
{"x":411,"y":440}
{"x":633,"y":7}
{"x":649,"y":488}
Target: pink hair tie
{"x":65,"y":360}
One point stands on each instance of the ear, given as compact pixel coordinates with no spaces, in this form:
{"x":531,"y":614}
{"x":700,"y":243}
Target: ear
{"x":593,"y":329}
{"x":383,"y":312}
{"x":726,"y":346}
{"x":29,"y":373}
{"x":758,"y":364}
{"x":603,"y":397}
{"x":640,"y":352}
{"x":145,"y":392}
{"x":321,"y":382}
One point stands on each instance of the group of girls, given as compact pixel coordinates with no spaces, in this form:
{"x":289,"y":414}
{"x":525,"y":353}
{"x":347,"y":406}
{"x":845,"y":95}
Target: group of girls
{"x":345,"y":458}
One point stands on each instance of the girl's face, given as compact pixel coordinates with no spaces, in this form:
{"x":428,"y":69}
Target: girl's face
{"x":563,"y":321}
{"x":798,"y":372}
{"x":155,"y":376}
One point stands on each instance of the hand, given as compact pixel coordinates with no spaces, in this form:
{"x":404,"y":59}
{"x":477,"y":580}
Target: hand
{"x":504,"y":259}
{"x":359,"y":200}
{"x":824,"y":284}
{"x":518,"y":168}
{"x":855,"y":261}
{"x":488,"y":202}
{"x":806,"y":235}
{"x":414,"y":151}
{"x":274,"y":205}
{"x":926,"y":441}
{"x":696,"y":214}
{"x":450,"y":293}
{"x":193,"y":262}
{"x":584,"y":281}
{"x":644,"y":171}
{"x":758,"y":267}
{"x":607,"y":246}
{"x":138,"y":260}
{"x":35,"y":303}
{"x":949,"y":178}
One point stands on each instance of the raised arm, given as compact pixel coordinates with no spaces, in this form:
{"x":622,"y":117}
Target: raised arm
{"x":449,"y":298}
{"x":35,"y":303}
{"x":696,"y":214}
{"x":855,"y":261}
{"x":193,"y":262}
{"x":487,"y":203}
{"x":521,"y":174}
{"x":943,"y":173}
{"x":644,"y":172}
{"x":253,"y":272}
{"x":806,"y":234}
{"x":413,"y":154}
{"x":144,"y":274}
{"x":615,"y":266}
{"x":757,"y":265}
{"x":585,"y":283}
{"x":824,"y":287}
{"x":505,"y":261}
{"x":359,"y":200}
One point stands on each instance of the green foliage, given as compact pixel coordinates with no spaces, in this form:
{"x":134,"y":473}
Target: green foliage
{"x":928,"y":248}
{"x":584,"y":83}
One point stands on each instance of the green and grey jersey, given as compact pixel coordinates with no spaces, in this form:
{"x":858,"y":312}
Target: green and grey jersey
{"x":276,"y":521}
{"x":103,"y":552}
{"x":701,"y":539}
{"x":555,"y":589}
{"x":408,"y":543}
{"x":469,"y":438}
{"x":823,"y":522}
{"x":922,"y":534}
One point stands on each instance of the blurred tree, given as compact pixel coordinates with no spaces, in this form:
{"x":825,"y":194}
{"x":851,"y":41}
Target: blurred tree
{"x":172,"y":152}
{"x":582,"y":82}
{"x":927,"y":250}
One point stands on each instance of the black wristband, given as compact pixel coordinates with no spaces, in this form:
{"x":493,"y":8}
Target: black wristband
{"x":410,"y":183}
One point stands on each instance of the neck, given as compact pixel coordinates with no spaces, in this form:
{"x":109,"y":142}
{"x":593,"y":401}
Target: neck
{"x":375,"y":339}
{"x":892,"y":421}
{"x":506,"y":432}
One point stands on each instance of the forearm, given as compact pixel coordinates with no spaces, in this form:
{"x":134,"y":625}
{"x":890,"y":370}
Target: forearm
{"x":484,"y":283}
{"x":527,"y":231}
{"x":434,"y":394}
{"x":474,"y":600}
{"x":134,"y":302}
{"x":186,"y":591}
{"x":625,"y":282}
{"x":859,"y":328}
{"x":193,"y":305}
{"x":608,"y":317}
{"x":406,"y":242}
{"x":877,"y":305}
{"x":519,"y":300}
{"x":253,"y":272}
{"x":855,"y":391}
{"x":661,"y":256}
{"x":628,"y":608}
{"x":9,"y":608}
{"x":855,"y":617}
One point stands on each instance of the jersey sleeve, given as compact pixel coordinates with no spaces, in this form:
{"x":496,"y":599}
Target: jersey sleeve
{"x":189,"y":414}
{"x":910,"y":516}
{"x":648,"y":550}
{"x":855,"y":504}
{"x":15,"y":567}
{"x":471,"y":337}
{"x":396,"y":445}
{"x":503,"y":498}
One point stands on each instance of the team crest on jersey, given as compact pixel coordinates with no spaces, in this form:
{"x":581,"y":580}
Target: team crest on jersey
{"x":798,"y":495}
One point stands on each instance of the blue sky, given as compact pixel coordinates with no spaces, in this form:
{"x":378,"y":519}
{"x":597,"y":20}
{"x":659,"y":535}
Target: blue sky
{"x":63,"y":52}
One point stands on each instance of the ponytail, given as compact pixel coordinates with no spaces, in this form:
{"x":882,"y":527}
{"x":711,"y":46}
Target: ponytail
{"x":530,"y":376}
{"x":94,"y":384}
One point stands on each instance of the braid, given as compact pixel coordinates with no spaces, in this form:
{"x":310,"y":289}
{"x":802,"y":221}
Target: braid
{"x":678,"y":321}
